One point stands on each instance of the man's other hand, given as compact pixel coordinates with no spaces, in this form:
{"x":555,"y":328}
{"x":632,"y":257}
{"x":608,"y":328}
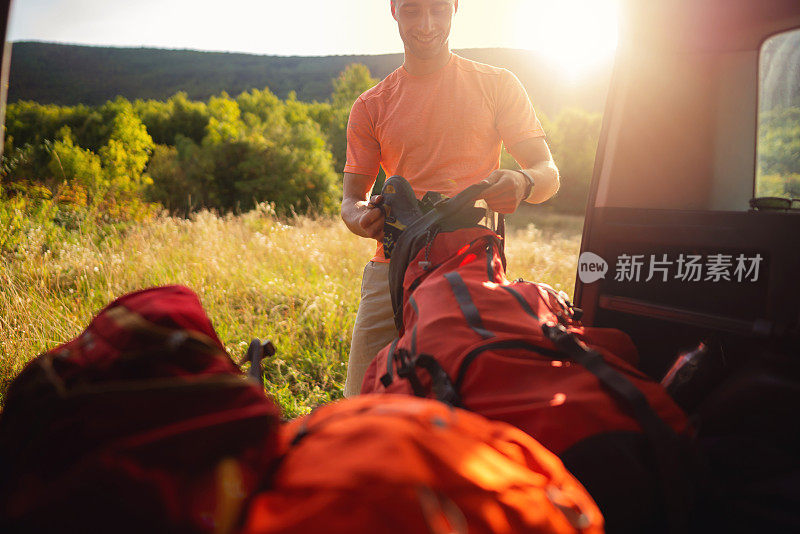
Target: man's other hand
{"x":362,"y":214}
{"x":507,"y":191}
{"x":371,"y":219}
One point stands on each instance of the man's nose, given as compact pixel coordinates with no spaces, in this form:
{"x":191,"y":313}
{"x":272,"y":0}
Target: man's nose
{"x":427,"y":24}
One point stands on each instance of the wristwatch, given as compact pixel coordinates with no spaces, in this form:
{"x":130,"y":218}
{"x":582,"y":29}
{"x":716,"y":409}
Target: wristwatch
{"x":530,"y":181}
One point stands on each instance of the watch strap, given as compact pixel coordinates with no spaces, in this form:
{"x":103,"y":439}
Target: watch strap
{"x":531,"y":183}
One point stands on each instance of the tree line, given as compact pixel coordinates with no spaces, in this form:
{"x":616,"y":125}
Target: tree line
{"x":51,"y":73}
{"x":123,"y":159}
{"x":126,"y":160}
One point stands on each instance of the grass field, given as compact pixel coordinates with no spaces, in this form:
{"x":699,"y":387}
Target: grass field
{"x":294,"y":281}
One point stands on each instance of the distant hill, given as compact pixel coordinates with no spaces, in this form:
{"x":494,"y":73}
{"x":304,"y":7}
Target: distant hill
{"x":72,"y":74}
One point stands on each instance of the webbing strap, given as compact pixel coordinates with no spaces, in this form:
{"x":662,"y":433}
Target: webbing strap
{"x":466,"y":304}
{"x":663,"y":440}
{"x":501,"y":230}
{"x":414,"y":330}
{"x":609,"y":377}
{"x":443,"y":388}
{"x":414,"y":238}
{"x":407,"y":369}
{"x":489,"y":262}
{"x":387,"y":379}
{"x":522,"y":302}
{"x":499,"y":239}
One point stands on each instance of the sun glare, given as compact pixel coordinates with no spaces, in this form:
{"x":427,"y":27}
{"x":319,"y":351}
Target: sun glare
{"x":576,"y":35}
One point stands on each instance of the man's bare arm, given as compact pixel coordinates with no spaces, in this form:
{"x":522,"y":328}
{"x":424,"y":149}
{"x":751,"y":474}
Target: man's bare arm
{"x":359,"y":212}
{"x":534,"y":156}
{"x":509,"y":188}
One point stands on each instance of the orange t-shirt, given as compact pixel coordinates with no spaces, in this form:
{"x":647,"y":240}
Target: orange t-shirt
{"x":442,"y":131}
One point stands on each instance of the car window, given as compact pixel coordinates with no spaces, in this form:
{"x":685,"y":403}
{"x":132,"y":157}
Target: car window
{"x":778,"y":146}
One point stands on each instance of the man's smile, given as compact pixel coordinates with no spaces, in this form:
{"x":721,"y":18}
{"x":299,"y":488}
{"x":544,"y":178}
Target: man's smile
{"x":427,"y":39}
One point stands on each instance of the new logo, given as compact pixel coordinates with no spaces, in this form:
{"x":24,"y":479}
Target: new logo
{"x":591,"y":267}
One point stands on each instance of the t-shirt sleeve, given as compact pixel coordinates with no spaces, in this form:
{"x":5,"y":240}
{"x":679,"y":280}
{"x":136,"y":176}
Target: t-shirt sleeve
{"x":363,"y":148}
{"x":515,"y":120}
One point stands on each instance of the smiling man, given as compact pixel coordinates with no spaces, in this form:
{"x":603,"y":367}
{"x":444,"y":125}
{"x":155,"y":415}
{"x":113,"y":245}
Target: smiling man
{"x":440,"y":121}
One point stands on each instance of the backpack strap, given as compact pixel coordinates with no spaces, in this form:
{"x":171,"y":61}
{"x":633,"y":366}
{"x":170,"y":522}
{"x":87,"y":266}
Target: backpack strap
{"x":467,"y":305}
{"x":441,"y":384}
{"x":387,"y":378}
{"x":665,"y":443}
{"x":501,"y":231}
{"x":443,"y":388}
{"x":445,"y":213}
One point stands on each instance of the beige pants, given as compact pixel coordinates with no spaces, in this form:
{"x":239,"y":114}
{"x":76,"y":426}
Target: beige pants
{"x":374,"y":328}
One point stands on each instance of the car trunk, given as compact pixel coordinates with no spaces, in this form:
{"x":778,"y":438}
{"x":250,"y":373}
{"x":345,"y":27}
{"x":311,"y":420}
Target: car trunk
{"x":673,"y":179}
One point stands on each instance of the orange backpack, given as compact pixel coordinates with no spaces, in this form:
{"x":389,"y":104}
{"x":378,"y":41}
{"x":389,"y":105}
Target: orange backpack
{"x":516,"y":352}
{"x":397,"y":464}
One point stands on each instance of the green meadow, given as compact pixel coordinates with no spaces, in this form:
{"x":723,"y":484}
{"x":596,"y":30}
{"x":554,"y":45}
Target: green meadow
{"x":294,"y":280}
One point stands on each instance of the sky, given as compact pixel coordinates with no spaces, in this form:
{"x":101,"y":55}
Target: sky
{"x":573,"y":33}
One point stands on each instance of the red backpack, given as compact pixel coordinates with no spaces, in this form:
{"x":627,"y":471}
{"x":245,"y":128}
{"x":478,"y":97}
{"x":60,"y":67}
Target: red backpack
{"x":141,"y":423}
{"x":396,"y":464}
{"x":515,"y":352}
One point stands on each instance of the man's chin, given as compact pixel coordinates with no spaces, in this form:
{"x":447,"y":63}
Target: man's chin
{"x":424,"y":52}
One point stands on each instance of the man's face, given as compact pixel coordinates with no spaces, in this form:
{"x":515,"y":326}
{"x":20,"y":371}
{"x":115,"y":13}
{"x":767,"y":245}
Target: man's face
{"x":424,"y":25}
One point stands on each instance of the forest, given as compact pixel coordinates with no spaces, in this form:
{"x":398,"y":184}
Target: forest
{"x":68,"y":166}
{"x":126,"y":160}
{"x":51,"y":73}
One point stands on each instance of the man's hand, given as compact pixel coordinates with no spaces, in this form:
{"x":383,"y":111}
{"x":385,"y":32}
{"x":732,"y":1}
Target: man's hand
{"x":363,"y":217}
{"x":508,"y":190}
{"x":509,"y":187}
{"x":371,"y":218}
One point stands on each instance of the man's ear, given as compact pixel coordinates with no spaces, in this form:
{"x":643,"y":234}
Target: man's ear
{"x":393,"y":14}
{"x":456,"y":10}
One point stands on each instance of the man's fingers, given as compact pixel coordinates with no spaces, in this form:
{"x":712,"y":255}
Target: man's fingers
{"x":493,"y":178}
{"x":501,"y":206}
{"x":498,"y":185}
{"x":377,"y":233}
{"x":372,"y":223}
{"x":371,"y":216}
{"x":375,"y":229}
{"x":499,"y":191}
{"x":502,"y":196}
{"x":376,"y":201}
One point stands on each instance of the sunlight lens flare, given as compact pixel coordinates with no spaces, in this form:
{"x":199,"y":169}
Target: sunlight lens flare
{"x":576,"y":35}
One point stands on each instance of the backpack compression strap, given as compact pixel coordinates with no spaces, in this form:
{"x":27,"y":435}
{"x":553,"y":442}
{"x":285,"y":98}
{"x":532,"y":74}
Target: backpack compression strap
{"x":664,"y":442}
{"x":452,"y":212}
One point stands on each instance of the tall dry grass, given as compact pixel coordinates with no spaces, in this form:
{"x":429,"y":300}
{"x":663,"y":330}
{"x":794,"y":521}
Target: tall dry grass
{"x":295,"y":281}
